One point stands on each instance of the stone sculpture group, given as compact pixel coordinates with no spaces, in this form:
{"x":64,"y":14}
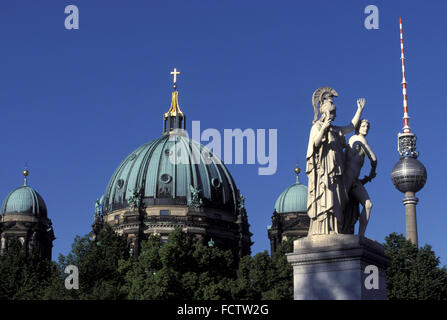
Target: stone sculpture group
{"x":333,"y":168}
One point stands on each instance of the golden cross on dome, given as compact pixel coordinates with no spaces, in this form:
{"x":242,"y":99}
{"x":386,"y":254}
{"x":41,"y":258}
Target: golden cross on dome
{"x":175,"y":73}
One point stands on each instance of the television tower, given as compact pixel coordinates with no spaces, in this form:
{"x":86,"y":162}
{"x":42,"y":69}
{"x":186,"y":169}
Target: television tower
{"x":409,"y":174}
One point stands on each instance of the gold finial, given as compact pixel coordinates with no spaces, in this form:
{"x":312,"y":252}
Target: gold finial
{"x":25,"y":174}
{"x":174,"y":110}
{"x":175,"y":73}
{"x":297,"y":171}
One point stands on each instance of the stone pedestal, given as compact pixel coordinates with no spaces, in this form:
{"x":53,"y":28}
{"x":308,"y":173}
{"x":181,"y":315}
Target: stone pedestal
{"x":338,"y":267}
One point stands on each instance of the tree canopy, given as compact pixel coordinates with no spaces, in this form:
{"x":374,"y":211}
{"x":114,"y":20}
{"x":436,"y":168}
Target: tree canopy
{"x":179,"y":269}
{"x":184,"y":268}
{"x":97,"y":262}
{"x":24,"y":276}
{"x":415,"y":273}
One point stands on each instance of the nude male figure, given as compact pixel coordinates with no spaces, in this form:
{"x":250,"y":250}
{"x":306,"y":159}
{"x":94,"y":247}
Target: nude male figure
{"x":356,"y":151}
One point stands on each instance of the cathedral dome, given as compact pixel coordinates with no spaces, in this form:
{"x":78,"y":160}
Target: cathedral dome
{"x":172,"y":170}
{"x":293,"y":199}
{"x":162,"y":178}
{"x":24,"y":200}
{"x":174,"y":182}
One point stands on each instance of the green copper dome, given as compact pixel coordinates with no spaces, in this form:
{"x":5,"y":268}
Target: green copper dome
{"x":24,"y":200}
{"x":161,"y":178}
{"x":293,"y":199}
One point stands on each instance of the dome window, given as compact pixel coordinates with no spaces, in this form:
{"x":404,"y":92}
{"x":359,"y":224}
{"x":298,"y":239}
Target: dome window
{"x":215,"y":182}
{"x":166,"y":178}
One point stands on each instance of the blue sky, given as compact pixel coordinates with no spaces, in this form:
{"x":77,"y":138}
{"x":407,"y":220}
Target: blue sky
{"x":75,"y":103}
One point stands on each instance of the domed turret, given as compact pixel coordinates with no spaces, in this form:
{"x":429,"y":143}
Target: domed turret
{"x":24,"y":218}
{"x":24,"y":200}
{"x":293,"y":199}
{"x":290,"y":219}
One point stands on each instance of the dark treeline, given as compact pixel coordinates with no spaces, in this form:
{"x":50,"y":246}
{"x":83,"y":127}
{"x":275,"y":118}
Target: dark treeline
{"x":182,"y":268}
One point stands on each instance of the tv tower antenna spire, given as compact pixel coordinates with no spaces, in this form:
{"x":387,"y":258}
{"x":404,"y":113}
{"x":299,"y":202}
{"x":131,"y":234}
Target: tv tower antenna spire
{"x":404,"y":82}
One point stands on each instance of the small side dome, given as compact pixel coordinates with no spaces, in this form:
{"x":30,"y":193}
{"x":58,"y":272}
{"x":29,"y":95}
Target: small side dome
{"x":24,"y":200}
{"x":293,"y":199}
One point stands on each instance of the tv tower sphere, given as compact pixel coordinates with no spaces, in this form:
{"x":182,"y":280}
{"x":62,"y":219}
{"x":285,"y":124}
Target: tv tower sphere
{"x":409,"y":175}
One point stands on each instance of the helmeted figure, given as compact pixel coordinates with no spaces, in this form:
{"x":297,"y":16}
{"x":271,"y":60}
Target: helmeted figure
{"x":327,"y":191}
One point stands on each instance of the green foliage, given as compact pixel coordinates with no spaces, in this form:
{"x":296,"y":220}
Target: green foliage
{"x":179,"y":269}
{"x":97,"y":262}
{"x":264,"y":277}
{"x":283,"y":274}
{"x":414,"y":272}
{"x":24,"y":277}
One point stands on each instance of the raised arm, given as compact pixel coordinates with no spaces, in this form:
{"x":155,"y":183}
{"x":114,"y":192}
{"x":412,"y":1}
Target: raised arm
{"x":360,"y":105}
{"x":355,"y":120}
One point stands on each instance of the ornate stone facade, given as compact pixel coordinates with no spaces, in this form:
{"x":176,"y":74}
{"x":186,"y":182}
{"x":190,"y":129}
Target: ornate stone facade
{"x":286,"y":226}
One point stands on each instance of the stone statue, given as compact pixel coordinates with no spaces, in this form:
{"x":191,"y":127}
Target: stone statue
{"x":3,"y":243}
{"x":97,"y":208}
{"x":241,"y":205}
{"x":134,"y":201}
{"x":275,"y":219}
{"x":195,"y":200}
{"x":241,"y":202}
{"x":327,"y":191}
{"x":355,"y":155}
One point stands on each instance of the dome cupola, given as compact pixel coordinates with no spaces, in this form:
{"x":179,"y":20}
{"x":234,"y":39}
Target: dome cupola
{"x":24,"y":200}
{"x":24,"y":218}
{"x":289,"y":219}
{"x":294,"y":198}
